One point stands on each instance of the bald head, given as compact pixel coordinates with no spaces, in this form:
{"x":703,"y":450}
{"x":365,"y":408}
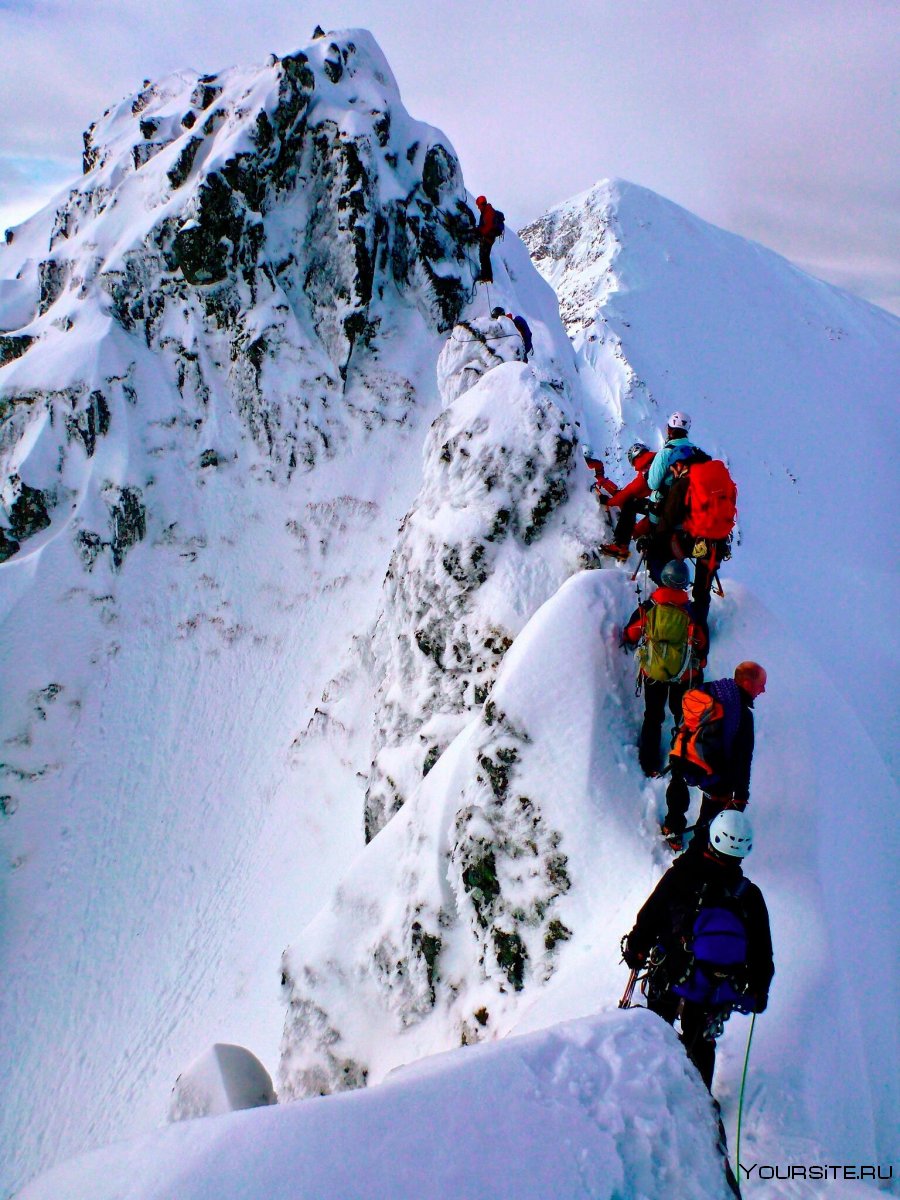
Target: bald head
{"x":751,"y":677}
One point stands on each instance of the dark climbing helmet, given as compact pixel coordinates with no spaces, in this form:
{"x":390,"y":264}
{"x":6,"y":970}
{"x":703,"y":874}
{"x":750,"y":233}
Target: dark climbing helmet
{"x":675,"y":574}
{"x":497,"y":312}
{"x":636,"y":451}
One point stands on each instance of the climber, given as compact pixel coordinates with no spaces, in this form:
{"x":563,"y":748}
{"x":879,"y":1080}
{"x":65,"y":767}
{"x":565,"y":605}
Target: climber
{"x":696,"y":518}
{"x":671,"y":655}
{"x":524,"y":332}
{"x":601,"y":483}
{"x":712,"y":748}
{"x":491,"y":225}
{"x":703,"y":935}
{"x":657,"y":549}
{"x":521,"y":325}
{"x":633,"y":500}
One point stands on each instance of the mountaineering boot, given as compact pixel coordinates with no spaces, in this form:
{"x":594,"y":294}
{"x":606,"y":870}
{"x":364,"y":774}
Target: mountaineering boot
{"x":614,"y":550}
{"x":673,"y":839}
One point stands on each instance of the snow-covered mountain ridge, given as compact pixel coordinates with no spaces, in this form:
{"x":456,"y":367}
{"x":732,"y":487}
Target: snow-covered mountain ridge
{"x":220,"y":352}
{"x":206,"y":716}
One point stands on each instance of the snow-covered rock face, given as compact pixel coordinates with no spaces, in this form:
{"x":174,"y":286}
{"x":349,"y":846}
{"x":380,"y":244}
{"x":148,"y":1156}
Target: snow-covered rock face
{"x":217,"y":365}
{"x":251,"y":232}
{"x":499,"y":465}
{"x":453,"y":909}
{"x":475,"y":347}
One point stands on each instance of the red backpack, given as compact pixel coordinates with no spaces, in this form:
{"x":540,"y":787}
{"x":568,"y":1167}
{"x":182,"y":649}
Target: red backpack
{"x":711,"y":501}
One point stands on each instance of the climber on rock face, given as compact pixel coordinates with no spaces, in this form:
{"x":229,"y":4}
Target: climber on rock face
{"x":602,"y":485}
{"x":521,"y":325}
{"x":633,"y":501}
{"x":491,"y":225}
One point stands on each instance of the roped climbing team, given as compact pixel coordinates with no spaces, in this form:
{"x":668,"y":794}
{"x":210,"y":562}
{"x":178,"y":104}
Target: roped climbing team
{"x":701,"y":945}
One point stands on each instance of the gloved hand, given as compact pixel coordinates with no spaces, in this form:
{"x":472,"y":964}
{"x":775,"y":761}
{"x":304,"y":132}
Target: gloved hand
{"x":642,"y":545}
{"x":633,"y":958}
{"x":602,"y":498}
{"x":760,"y":1003}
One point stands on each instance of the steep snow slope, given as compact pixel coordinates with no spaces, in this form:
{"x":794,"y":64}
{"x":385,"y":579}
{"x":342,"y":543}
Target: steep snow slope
{"x":796,"y":383}
{"x":217,"y":367}
{"x":572,"y":1112}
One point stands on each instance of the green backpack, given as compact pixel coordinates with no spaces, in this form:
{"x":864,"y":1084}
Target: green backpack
{"x":664,"y":653}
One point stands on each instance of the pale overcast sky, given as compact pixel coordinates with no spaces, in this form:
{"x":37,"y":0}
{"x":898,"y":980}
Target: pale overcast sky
{"x":778,"y":120}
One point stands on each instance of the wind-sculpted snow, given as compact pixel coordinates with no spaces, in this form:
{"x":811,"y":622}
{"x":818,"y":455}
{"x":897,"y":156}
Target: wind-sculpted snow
{"x":488,"y":539}
{"x":599,"y":1109}
{"x":453,"y":920}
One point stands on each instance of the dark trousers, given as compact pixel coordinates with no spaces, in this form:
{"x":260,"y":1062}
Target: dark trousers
{"x":694,"y":1024}
{"x":678,"y":801}
{"x":486,"y":274}
{"x":655,"y":697}
{"x":631,"y":510}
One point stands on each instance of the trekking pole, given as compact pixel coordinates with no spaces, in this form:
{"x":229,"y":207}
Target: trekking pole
{"x":720,"y":591}
{"x":638,"y":567}
{"x":737,"y":1162}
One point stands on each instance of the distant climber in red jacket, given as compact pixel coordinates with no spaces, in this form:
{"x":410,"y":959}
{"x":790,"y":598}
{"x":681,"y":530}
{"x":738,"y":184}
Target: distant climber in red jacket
{"x":490,"y":227}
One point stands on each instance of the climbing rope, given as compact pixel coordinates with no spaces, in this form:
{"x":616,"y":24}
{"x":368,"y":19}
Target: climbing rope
{"x":737,"y":1162}
{"x":498,"y":337}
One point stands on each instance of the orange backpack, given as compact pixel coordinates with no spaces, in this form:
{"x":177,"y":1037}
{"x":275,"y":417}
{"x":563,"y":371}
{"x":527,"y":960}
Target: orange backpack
{"x":700,"y":735}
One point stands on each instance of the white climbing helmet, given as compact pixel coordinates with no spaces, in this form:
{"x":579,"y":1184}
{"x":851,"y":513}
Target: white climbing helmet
{"x":679,"y":420}
{"x":731,"y":833}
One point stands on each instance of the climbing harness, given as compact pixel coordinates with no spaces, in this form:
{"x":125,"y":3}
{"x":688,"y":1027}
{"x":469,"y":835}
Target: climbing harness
{"x":641,"y":975}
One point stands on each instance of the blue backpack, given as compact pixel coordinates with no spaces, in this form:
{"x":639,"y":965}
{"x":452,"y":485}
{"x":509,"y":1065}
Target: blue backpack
{"x":717,"y":949}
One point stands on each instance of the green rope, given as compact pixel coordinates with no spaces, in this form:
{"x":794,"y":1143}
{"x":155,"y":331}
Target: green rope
{"x":741,"y":1101}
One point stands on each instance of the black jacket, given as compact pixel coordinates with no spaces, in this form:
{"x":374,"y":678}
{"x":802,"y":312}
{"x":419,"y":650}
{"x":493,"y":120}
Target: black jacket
{"x":668,"y":917}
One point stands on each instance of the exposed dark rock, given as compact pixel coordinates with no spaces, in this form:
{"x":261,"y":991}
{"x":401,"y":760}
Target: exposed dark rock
{"x":8,"y":545}
{"x":209,"y":458}
{"x":428,"y":947}
{"x":28,"y":513}
{"x":128,"y":522}
{"x":512,"y":956}
{"x":92,"y":422}
{"x":205,"y":93}
{"x":206,"y":248}
{"x":52,"y":279}
{"x":182,"y":168}
{"x":13,"y":345}
{"x":334,"y":66}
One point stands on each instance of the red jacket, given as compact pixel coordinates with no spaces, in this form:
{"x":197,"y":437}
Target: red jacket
{"x":633,"y":631}
{"x":487,"y":222}
{"x":603,"y":483}
{"x":638,"y":488}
